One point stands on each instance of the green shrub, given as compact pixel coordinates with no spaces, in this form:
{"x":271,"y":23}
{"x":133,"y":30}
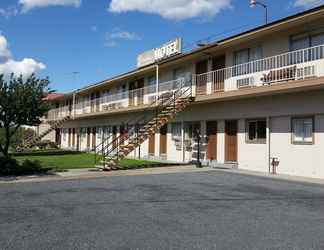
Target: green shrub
{"x":10,"y":167}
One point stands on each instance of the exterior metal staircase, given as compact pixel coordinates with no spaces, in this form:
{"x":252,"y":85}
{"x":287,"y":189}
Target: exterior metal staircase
{"x":166,"y":107}
{"x":32,"y":140}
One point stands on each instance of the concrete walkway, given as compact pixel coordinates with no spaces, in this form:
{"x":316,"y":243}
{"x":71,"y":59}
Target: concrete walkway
{"x":94,"y":173}
{"x":271,"y":176}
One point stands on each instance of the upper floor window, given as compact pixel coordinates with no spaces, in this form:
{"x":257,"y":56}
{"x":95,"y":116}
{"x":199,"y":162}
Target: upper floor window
{"x":247,"y":55}
{"x":181,"y":73}
{"x":151,"y":84}
{"x":306,"y":40}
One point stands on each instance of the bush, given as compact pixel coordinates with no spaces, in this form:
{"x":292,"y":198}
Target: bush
{"x":9,"y":167}
{"x":46,"y":144}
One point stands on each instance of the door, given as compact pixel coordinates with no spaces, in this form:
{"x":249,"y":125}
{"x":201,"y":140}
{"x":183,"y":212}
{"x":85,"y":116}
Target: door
{"x":231,"y":141}
{"x":97,"y":101}
{"x":201,"y":69}
{"x":211,"y":140}
{"x":219,"y":73}
{"x":69,"y":138}
{"x":88,"y":138}
{"x":58,"y":136}
{"x":151,"y":146}
{"x":93,"y":103}
{"x":163,"y":140}
{"x":73,"y":137}
{"x":94,"y":137}
{"x":140,"y":91}
{"x":131,"y":95}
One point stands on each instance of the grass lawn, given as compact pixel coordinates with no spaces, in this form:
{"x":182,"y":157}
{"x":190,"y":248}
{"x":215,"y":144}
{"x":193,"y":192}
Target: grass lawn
{"x":77,"y":161}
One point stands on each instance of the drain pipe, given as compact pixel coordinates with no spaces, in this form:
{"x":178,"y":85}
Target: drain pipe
{"x":269,"y":143}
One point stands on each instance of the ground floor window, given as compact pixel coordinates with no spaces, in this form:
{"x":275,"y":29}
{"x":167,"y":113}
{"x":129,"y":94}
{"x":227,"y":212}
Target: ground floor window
{"x":302,"y":130}
{"x":256,"y":131}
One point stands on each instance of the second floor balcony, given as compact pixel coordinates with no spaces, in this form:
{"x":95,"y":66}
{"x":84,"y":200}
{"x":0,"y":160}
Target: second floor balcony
{"x":290,"y":67}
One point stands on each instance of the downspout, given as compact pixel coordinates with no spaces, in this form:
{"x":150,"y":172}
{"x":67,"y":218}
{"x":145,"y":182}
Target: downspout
{"x":269,"y":143}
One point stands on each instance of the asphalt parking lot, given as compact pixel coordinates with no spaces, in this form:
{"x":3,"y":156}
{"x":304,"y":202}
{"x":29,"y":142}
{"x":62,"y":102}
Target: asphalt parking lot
{"x":207,"y":210}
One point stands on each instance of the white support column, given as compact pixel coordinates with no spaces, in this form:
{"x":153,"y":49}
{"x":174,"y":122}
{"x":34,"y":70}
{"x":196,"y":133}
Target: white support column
{"x":157,"y":79}
{"x":209,"y":78}
{"x":73,"y":105}
{"x":269,"y":143}
{"x":221,"y":141}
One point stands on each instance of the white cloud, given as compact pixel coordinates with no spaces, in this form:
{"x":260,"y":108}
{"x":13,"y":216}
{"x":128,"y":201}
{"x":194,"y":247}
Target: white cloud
{"x":5,"y":53}
{"x":308,"y":3}
{"x":171,"y":9}
{"x":117,"y":35}
{"x":9,"y":11}
{"x":8,"y":65}
{"x":27,"y":5}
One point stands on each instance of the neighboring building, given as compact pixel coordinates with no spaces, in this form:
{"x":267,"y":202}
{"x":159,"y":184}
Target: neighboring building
{"x":258,"y":95}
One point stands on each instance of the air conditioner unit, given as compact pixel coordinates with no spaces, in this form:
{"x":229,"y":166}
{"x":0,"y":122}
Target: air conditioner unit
{"x":245,"y":82}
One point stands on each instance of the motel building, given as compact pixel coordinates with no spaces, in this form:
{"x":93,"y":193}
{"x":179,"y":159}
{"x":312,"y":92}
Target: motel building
{"x":254,"y":97}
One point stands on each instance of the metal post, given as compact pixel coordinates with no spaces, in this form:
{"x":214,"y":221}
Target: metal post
{"x":198,"y":164}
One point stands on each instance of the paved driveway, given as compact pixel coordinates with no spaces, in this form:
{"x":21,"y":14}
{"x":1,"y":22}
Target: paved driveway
{"x":209,"y":210}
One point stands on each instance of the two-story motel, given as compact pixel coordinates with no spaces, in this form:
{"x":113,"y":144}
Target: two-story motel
{"x":259,"y":95}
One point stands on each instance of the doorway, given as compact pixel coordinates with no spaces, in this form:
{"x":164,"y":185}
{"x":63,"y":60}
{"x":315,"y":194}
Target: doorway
{"x":163,"y":140}
{"x":218,"y":63}
{"x":231,"y":141}
{"x":131,"y":95}
{"x":151,"y":146}
{"x":201,"y":69}
{"x":140,"y":91}
{"x":211,"y":127}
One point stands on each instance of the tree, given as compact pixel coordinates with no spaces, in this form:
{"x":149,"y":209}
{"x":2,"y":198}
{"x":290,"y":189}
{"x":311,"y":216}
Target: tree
{"x":21,"y":103}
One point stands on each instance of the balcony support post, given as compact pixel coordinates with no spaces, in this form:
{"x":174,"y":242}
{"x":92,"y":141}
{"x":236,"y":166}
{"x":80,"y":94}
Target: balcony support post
{"x":157,"y":79}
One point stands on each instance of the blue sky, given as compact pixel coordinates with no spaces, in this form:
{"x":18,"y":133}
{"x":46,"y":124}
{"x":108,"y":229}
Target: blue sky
{"x":101,"y":38}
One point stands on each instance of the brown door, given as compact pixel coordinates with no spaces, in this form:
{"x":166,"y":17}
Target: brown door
{"x":163,"y":140}
{"x":97,"y":101}
{"x":151,"y":147}
{"x":131,"y":95}
{"x":88,"y":137}
{"x":94,"y":132}
{"x":73,"y":137}
{"x":140,"y":91}
{"x":58,"y":136}
{"x":212,"y":140}
{"x":69,"y":138}
{"x":93,"y":102}
{"x":231,"y":141}
{"x":201,"y":68}
{"x":219,"y":74}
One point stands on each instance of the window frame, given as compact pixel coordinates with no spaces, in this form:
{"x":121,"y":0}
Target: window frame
{"x":312,"y":118}
{"x":258,"y":140}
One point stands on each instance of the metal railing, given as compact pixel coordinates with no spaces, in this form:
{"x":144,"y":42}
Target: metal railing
{"x":295,"y":65}
{"x":112,"y":146}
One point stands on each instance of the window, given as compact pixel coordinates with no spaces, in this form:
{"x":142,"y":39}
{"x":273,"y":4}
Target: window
{"x":151,"y":84}
{"x":242,"y":57}
{"x":256,"y":131}
{"x":302,"y":130}
{"x":181,"y":73}
{"x":176,"y":131}
{"x":247,"y":55}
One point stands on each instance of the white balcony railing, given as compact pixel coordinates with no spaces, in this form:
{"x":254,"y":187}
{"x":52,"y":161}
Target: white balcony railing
{"x":295,"y":65}
{"x":126,"y":99}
